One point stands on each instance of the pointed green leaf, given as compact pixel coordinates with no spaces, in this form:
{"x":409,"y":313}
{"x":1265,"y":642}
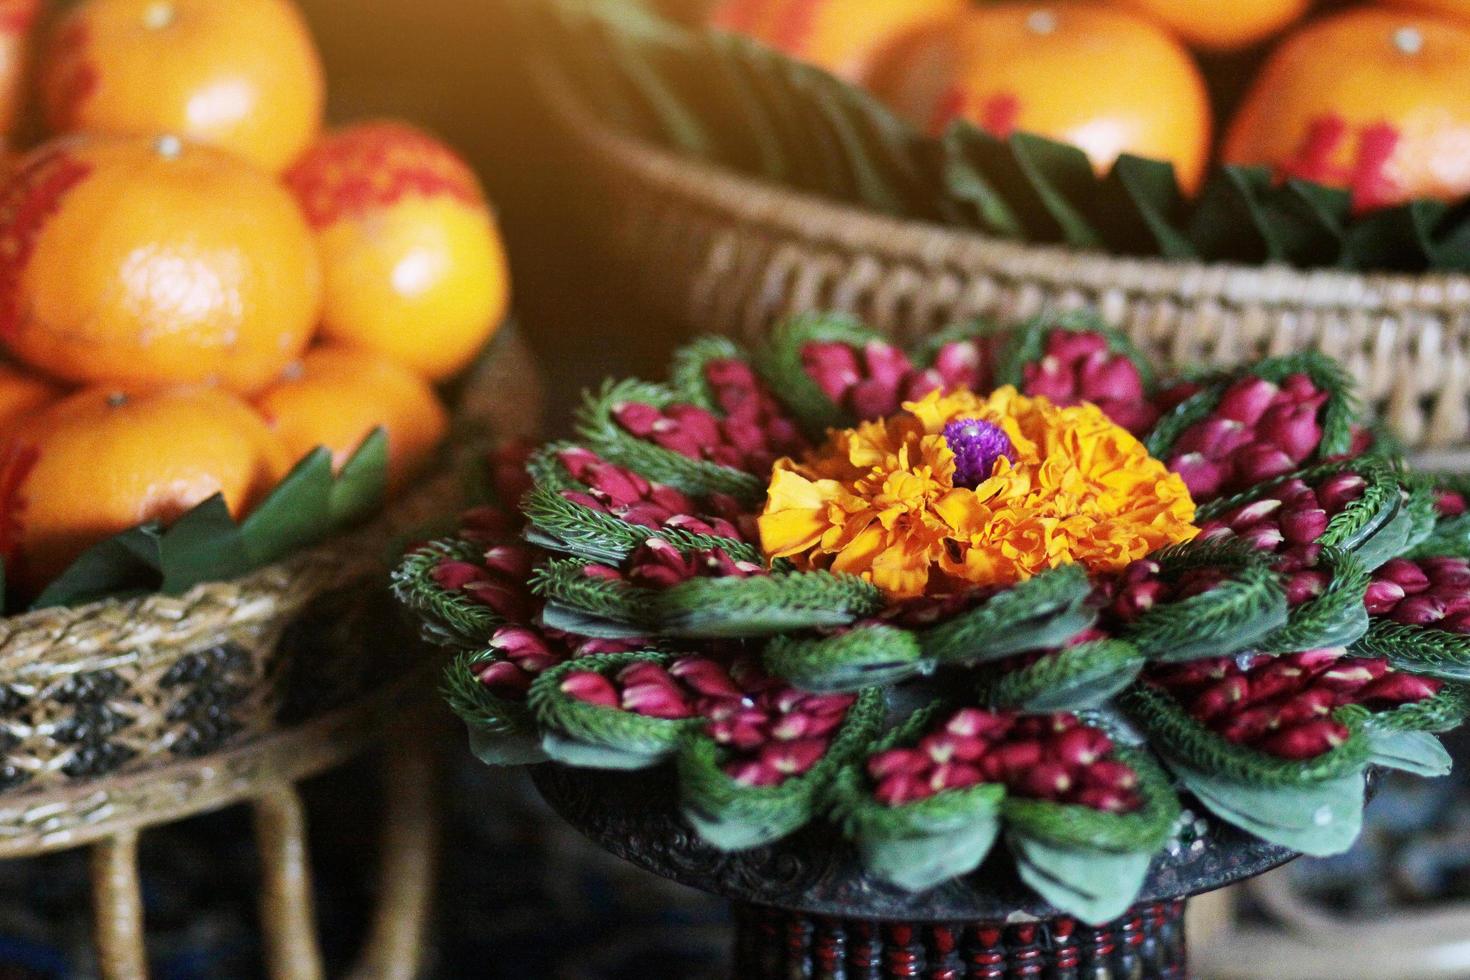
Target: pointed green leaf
{"x":124,"y":565}
{"x":202,"y":545}
{"x":294,"y":512}
{"x":1139,"y":208}
{"x":362,"y":485}
{"x":1419,"y":753}
{"x":1094,"y":886}
{"x":919,"y":863}
{"x":1320,"y":819}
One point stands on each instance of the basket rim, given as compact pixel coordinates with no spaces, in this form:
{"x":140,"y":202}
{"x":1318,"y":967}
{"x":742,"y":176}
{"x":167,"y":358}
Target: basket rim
{"x":784,"y":212}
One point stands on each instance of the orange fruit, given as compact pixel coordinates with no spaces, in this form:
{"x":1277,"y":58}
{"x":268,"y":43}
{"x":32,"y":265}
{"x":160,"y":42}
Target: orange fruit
{"x":21,"y":394}
{"x":17,"y":18}
{"x":337,"y":395}
{"x":103,"y":460}
{"x":1454,"y":8}
{"x":239,"y":74}
{"x":412,"y":262}
{"x":842,"y":36}
{"x":153,"y":261}
{"x":1375,"y":101}
{"x":1219,"y":26}
{"x":1102,"y":79}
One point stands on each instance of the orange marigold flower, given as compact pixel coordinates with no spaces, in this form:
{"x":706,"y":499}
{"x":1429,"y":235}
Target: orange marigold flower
{"x":1061,"y":485}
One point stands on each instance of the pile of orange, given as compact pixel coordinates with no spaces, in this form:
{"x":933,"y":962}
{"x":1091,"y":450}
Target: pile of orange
{"x":199,"y":286}
{"x":1374,"y":98}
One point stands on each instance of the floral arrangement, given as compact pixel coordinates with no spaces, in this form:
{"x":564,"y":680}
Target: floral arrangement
{"x":1008,"y":586}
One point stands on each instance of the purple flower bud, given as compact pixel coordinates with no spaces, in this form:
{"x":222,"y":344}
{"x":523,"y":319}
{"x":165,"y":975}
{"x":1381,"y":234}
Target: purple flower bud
{"x":1339,"y":490}
{"x":873,"y":399}
{"x":886,"y":364}
{"x":519,"y":641}
{"x":977,"y":445}
{"x":794,"y":757}
{"x":1300,"y":387}
{"x":958,"y":364}
{"x":706,"y":677}
{"x":638,"y":419}
{"x":833,"y":366}
{"x":1447,"y":571}
{"x":911,"y":762}
{"x":509,"y":560}
{"x":1263,"y":537}
{"x":1070,"y":346}
{"x":1247,"y":399}
{"x":1404,"y":573}
{"x":1418,"y":610}
{"x":1293,"y":429}
{"x":1109,"y":774}
{"x":954,"y":775}
{"x":579,"y":462}
{"x":1304,"y":526}
{"x":585,"y":499}
{"x":1108,"y":800}
{"x":504,"y":678}
{"x":1252,"y":513}
{"x":1305,"y":741}
{"x":753,"y":772}
{"x":1082,"y":746}
{"x":1450,"y":504}
{"x":1219,"y":698}
{"x":1301,"y":586}
{"x":455,"y":575}
{"x":1135,"y":416}
{"x":902,"y":788}
{"x":1396,"y":688}
{"x":1046,"y":781}
{"x":1215,"y":438}
{"x":1201,"y":477}
{"x":620,"y":487}
{"x":1050,"y":379}
{"x":1260,"y":462}
{"x":1316,"y":702}
{"x":974,"y":722}
{"x":920,"y":384}
{"x":1110,"y":378}
{"x":656,"y":700}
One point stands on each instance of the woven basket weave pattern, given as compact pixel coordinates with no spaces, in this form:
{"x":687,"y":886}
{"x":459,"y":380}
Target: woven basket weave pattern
{"x":718,"y":251}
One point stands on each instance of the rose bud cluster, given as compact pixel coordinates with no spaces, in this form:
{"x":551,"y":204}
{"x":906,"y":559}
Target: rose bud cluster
{"x":1259,"y":431}
{"x":497,"y":580}
{"x":1046,"y":757}
{"x":874,"y":380}
{"x":527,"y":650}
{"x":1142,"y":585}
{"x":628,"y":495}
{"x":1078,"y":366}
{"x":656,"y":564}
{"x":752,"y":435}
{"x":1283,"y":706}
{"x":1287,"y":522}
{"x":1433,"y":592}
{"x":769,"y":730}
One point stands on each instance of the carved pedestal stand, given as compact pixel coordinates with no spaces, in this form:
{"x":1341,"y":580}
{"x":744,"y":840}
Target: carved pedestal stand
{"x":804,"y":907}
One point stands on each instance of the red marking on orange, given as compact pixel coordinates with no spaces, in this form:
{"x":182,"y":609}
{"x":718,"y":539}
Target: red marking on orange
{"x":794,"y":26}
{"x":999,"y":114}
{"x":76,"y":77}
{"x":1366,"y":177}
{"x":19,"y":460}
{"x":17,"y":16}
{"x":738,"y":15}
{"x":31,"y":196}
{"x":374,"y":165}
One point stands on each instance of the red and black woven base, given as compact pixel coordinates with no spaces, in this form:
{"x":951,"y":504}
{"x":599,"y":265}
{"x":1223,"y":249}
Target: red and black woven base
{"x":776,"y":944}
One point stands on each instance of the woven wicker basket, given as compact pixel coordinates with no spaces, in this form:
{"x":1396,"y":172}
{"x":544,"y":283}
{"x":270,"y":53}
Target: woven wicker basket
{"x":118,"y":687}
{"x":714,"y":250}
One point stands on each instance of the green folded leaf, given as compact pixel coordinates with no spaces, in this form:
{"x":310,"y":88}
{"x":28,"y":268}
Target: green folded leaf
{"x":362,"y":484}
{"x":1070,"y":679}
{"x":916,"y":864}
{"x":1235,"y":615}
{"x":1320,"y":818}
{"x":965,"y":153}
{"x":1400,"y":238}
{"x":295,"y":511}
{"x":1044,"y":611}
{"x":1414,"y":752}
{"x":580,"y":733}
{"x":1335,"y":618}
{"x":762,"y":605}
{"x":779,"y":362}
{"x":1230,"y":223}
{"x":1417,"y":649}
{"x":1082,"y":828}
{"x":1308,"y":222}
{"x":1093,"y":886}
{"x":864,"y":656}
{"x":1138,"y":209}
{"x":496,"y":725}
{"x":127,"y":564}
{"x":452,"y":619}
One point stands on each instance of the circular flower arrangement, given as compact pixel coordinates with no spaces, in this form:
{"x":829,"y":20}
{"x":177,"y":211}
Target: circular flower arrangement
{"x":1006,"y":587}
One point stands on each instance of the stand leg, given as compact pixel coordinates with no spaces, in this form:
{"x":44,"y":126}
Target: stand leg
{"x":1146,"y":943}
{"x":287,"y":909}
{"x":117,"y":906}
{"x":409,"y":852}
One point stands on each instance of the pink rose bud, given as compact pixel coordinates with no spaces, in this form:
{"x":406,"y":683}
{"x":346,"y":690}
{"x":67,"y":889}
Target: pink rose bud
{"x":1458,"y":623}
{"x":504,"y":678}
{"x":886,"y":363}
{"x":1046,"y":781}
{"x":1382,"y":596}
{"x":509,"y":560}
{"x":958,"y":363}
{"x":455,"y":575}
{"x":1447,"y":571}
{"x":1201,"y":477}
{"x":1305,"y":741}
{"x":922,"y":383}
{"x":1108,"y":800}
{"x":519,"y":641}
{"x":1112,"y":378}
{"x":1141,"y":571}
{"x":1296,"y":557}
{"x":578,"y":462}
{"x":1313,"y":661}
{"x":1215,"y":438}
{"x":1450,"y":504}
{"x":1138,"y":599}
{"x":1076,"y":345}
{"x":1398,"y":688}
{"x":1246,"y":515}
{"x":1263,"y":537}
{"x":621,"y":487}
{"x":1351,"y":674}
{"x":1014,"y":758}
{"x":1109,"y":774}
{"x":584,"y":499}
{"x":705,"y":676}
{"x":730,"y":371}
{"x":513,"y":604}
{"x":1260,"y":462}
{"x":1083,"y":746}
{"x":1304,"y":526}
{"x":1215,"y":531}
{"x":794,"y":757}
{"x":696,"y":422}
{"x":1051,"y":379}
{"x":1300,"y":387}
{"x":833,"y":366}
{"x":655,"y":701}
{"x":754,"y":773}
{"x":1301,"y":586}
{"x":1193,"y":673}
{"x":944,"y":747}
{"x":1248,"y":725}
{"x":1404,"y":573}
{"x":1219,"y":698}
{"x":1317,"y":702}
{"x":954,"y":775}
{"x":638,"y":419}
{"x":1276,"y":678}
{"x":592,"y":687}
{"x":1456,"y":598}
{"x":1418,"y":610}
{"x":872,"y":399}
{"x":1339,"y":490}
{"x":1247,"y":399}
{"x":975,"y":723}
{"x":894,"y":761}
{"x":1135,"y":416}
{"x":902,"y":788}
